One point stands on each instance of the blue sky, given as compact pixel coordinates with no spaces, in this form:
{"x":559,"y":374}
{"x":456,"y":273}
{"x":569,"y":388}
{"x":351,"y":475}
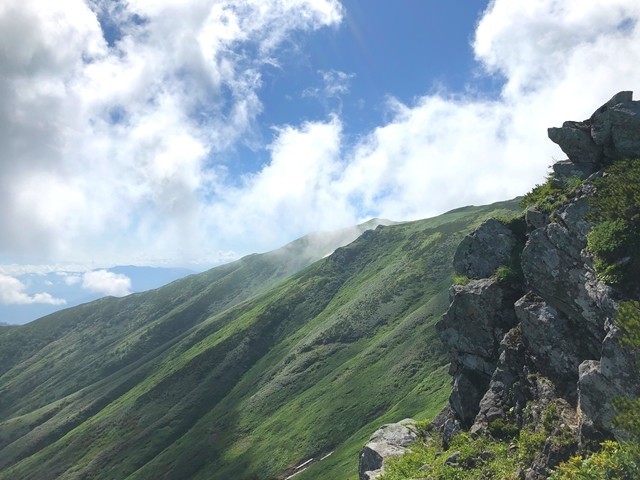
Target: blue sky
{"x":190,"y":132}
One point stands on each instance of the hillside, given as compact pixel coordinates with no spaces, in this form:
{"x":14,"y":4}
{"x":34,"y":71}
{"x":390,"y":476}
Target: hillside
{"x":243,"y":371}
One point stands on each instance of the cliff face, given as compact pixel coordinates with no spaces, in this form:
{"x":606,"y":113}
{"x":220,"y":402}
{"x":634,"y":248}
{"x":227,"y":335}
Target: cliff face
{"x":551,"y":339}
{"x":533,"y":327}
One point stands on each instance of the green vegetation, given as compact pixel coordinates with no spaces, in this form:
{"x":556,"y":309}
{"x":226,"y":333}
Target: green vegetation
{"x":615,"y":461}
{"x":241,"y":372}
{"x":548,"y":196}
{"x":512,"y":274}
{"x":500,"y":455}
{"x":615,"y":238}
{"x":460,"y":279}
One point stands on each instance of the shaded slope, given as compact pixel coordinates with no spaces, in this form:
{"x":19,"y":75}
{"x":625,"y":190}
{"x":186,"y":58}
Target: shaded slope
{"x":209,"y":378}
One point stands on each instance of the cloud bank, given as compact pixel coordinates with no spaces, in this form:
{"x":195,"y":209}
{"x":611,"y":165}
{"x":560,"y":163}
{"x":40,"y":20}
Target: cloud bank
{"x":12,"y":292}
{"x":118,"y":120}
{"x":106,"y":283}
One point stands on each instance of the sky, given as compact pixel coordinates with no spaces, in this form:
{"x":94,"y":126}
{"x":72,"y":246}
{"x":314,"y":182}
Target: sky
{"x":189,"y":133}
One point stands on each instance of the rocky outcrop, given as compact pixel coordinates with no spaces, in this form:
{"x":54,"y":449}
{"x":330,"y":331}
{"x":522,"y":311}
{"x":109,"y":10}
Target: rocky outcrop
{"x":554,"y":342}
{"x":486,"y":249}
{"x":609,"y":134}
{"x":390,"y":440}
{"x":547,"y":342}
{"x":481,"y":313}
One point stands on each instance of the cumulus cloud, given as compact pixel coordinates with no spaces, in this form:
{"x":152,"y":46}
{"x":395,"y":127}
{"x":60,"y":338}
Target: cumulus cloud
{"x":114,"y":120}
{"x":106,"y":283}
{"x":12,"y":292}
{"x":113,"y":115}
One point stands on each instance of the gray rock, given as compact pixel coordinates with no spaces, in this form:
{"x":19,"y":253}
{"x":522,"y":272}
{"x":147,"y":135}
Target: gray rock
{"x":625,"y":128}
{"x":610,"y":134}
{"x":507,"y":392}
{"x":480,"y":313}
{"x":482,"y":252}
{"x":574,"y":138}
{"x":564,"y":170}
{"x":601,"y":119}
{"x":390,"y":440}
{"x":447,"y":424}
{"x":557,"y":268}
{"x":614,"y":376}
{"x":552,"y":346}
{"x":535,"y":218}
{"x":453,"y":458}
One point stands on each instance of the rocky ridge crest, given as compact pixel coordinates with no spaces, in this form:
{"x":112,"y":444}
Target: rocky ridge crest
{"x":545,"y":337}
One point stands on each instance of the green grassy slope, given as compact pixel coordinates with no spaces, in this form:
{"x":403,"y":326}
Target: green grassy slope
{"x":236,"y":373}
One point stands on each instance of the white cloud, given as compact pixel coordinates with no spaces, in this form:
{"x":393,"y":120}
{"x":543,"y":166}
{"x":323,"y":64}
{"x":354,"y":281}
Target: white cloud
{"x":72,"y":279}
{"x":107,"y":283}
{"x":114,"y":149}
{"x":12,"y":291}
{"x":120,"y":141}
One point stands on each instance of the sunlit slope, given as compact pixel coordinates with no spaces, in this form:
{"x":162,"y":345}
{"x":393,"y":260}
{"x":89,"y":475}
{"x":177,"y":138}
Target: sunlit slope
{"x":236,"y":373}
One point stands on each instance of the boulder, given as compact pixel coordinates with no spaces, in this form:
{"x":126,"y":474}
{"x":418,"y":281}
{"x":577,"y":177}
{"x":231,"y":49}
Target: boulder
{"x":565,"y":170}
{"x":610,"y":134}
{"x":615,"y":375}
{"x":625,"y":128}
{"x":574,"y":138}
{"x":483,"y":251}
{"x":601,"y":119}
{"x":388,"y":441}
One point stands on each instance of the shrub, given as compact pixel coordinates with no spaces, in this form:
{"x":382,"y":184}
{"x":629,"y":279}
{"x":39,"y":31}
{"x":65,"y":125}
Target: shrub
{"x":500,"y":428}
{"x":614,"y":241}
{"x":546,"y":196}
{"x":614,"y":462}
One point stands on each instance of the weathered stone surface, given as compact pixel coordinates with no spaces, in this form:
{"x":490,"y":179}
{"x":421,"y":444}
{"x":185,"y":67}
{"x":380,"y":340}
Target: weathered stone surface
{"x":574,"y":138}
{"x":554,"y":452}
{"x":480,"y":314}
{"x":508,"y":390}
{"x":564,"y":170}
{"x":552,"y":346}
{"x":615,"y":375}
{"x":557,"y":269}
{"x":601,"y":119}
{"x":390,"y":440}
{"x":535,"y":218}
{"x":610,"y":134}
{"x":625,"y":130}
{"x":482,"y":252}
{"x":447,"y":424}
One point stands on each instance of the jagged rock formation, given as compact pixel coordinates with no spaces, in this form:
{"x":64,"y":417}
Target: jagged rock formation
{"x":388,"y":441}
{"x":562,"y":346}
{"x":550,"y":339}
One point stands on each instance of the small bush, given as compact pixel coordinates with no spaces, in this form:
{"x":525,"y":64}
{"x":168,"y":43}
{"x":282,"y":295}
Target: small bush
{"x":614,"y":462}
{"x":615,"y":238}
{"x":506,"y":274}
{"x":501,"y":429}
{"x":546,"y":196}
{"x":461,"y":280}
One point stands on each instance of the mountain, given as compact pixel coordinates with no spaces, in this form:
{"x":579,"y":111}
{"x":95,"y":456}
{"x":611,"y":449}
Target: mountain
{"x":244,"y":371}
{"x":543,"y":331}
{"x":81,"y":287}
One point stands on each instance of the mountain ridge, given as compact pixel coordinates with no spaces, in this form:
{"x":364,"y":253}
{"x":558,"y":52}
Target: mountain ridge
{"x":208,"y":376}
